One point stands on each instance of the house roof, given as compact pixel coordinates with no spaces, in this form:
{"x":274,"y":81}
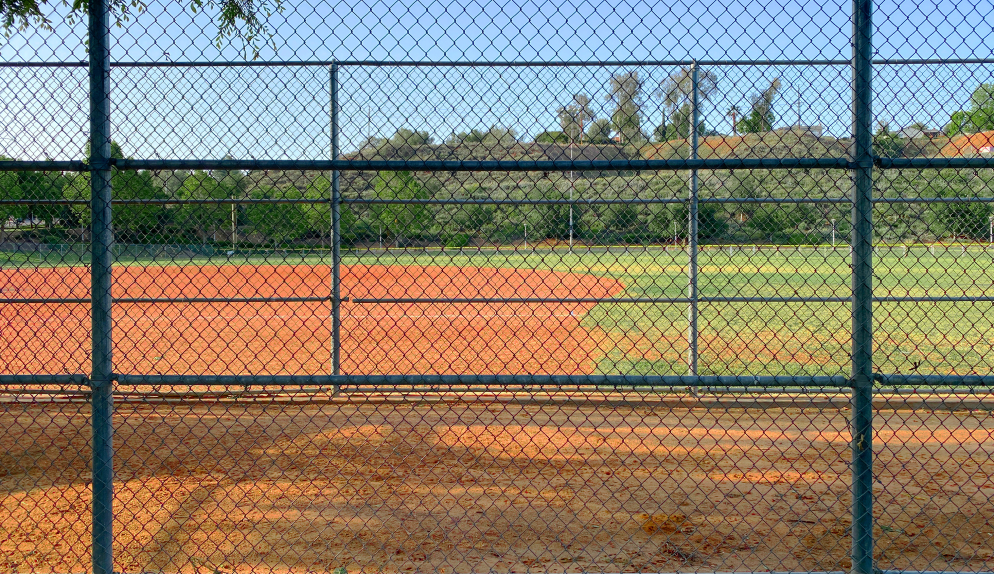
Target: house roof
{"x":968,"y":144}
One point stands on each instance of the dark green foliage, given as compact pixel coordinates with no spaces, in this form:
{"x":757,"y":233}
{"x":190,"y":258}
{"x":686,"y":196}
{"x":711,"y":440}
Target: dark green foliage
{"x":786,"y":223}
{"x":966,"y":220}
{"x":761,"y":117}
{"x":203,"y":221}
{"x":552,"y":137}
{"x":980,"y":115}
{"x":280,"y":223}
{"x":625,"y":91}
{"x":133,"y":223}
{"x":400,"y":222}
{"x":886,"y":143}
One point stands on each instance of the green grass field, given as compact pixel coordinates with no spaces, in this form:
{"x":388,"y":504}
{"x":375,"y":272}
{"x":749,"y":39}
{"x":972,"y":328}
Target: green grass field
{"x":735,"y":338}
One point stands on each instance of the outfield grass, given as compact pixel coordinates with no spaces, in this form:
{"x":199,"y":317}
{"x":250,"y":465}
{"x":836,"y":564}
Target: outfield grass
{"x":735,"y":338}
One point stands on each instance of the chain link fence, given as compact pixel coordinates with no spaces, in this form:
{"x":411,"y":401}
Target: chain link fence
{"x":475,"y":287}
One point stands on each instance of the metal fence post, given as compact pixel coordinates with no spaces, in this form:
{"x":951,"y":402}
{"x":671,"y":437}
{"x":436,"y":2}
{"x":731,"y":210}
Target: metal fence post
{"x":101,"y":245}
{"x":692,"y":231}
{"x":336,"y":235}
{"x":862,"y":305}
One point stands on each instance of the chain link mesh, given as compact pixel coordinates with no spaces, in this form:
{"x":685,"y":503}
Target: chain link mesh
{"x":477,"y":287}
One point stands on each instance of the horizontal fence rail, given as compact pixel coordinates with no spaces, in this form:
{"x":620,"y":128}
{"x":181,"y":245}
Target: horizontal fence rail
{"x":474,"y":288}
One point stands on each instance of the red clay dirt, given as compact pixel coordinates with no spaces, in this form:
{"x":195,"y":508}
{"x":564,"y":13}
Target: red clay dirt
{"x":295,"y":337}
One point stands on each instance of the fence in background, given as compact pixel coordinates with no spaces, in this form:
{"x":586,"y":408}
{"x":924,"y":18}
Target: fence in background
{"x":358,"y":360}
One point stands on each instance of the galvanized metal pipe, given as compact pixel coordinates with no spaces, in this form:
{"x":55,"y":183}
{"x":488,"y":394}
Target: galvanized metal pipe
{"x":101,"y":244}
{"x":615,"y":201}
{"x":932,"y":381}
{"x":692,"y":237}
{"x":862,"y":291}
{"x":336,"y":235}
{"x":501,"y":300}
{"x":648,"y":381}
{"x":78,"y":379}
{"x":486,"y":165}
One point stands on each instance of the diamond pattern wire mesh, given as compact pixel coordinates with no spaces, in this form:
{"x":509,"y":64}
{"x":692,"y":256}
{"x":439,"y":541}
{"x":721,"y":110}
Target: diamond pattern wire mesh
{"x":432,"y":287}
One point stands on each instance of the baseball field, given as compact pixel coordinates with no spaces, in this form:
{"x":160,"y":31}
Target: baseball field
{"x":303,"y":480}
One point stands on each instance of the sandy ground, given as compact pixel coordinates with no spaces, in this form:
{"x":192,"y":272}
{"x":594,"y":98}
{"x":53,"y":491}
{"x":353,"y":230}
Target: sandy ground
{"x":295,"y":337}
{"x":494,"y":486}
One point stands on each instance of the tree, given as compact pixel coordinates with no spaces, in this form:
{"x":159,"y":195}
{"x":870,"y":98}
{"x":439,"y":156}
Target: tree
{"x":281,"y":223}
{"x":680,"y":126}
{"x":761,"y":118}
{"x":625,"y":91}
{"x":599,"y":131}
{"x":319,"y":214}
{"x":10,"y":189}
{"x":734,"y":112}
{"x":781,"y":223}
{"x":241,"y":19}
{"x":234,"y":179}
{"x":710,"y":224}
{"x":400,"y":220}
{"x":170,"y":180}
{"x":677,"y":92}
{"x":133,"y":222}
{"x":979,"y":117}
{"x":552,"y":137}
{"x":957,"y":124}
{"x":886,"y":143}
{"x":474,"y":135}
{"x":43,"y":186}
{"x":408,"y":137}
{"x":500,"y":135}
{"x":203,"y":219}
{"x":573,"y":117}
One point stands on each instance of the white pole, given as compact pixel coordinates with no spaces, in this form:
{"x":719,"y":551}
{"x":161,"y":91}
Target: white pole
{"x":833,"y":234}
{"x":526,"y":235}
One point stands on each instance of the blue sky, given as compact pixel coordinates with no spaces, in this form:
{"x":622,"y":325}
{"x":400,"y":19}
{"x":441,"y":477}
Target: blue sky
{"x":283,"y":112}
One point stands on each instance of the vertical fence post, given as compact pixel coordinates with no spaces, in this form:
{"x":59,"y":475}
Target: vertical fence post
{"x":862,"y":304}
{"x":101,"y":245}
{"x":692,"y":231}
{"x":336,"y":234}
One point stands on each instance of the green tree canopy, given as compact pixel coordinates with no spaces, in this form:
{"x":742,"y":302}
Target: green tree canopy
{"x":676,"y":93}
{"x":10,"y":188}
{"x":761,"y":118}
{"x":978,"y":117}
{"x":280,"y":223}
{"x":599,"y":131}
{"x":400,"y":221}
{"x":886,"y":143}
{"x":574,"y":116}
{"x":134,"y":222}
{"x":625,"y":91}
{"x":203,"y":219}
{"x":244,"y":20}
{"x":552,"y":137}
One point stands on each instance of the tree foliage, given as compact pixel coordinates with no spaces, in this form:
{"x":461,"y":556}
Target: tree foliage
{"x":280,"y":223}
{"x":761,"y":118}
{"x":244,"y":20}
{"x":886,"y":143}
{"x":400,"y":221}
{"x":203,"y":219}
{"x":676,"y":93}
{"x":625,"y":91}
{"x":980,"y":115}
{"x":599,"y":131}
{"x":574,"y":116}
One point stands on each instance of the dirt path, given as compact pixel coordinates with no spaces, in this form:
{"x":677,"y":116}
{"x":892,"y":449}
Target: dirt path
{"x":503,"y":487}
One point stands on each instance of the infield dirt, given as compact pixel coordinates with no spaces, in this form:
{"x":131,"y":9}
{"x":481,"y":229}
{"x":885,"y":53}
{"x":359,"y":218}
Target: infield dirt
{"x":493,"y":486}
